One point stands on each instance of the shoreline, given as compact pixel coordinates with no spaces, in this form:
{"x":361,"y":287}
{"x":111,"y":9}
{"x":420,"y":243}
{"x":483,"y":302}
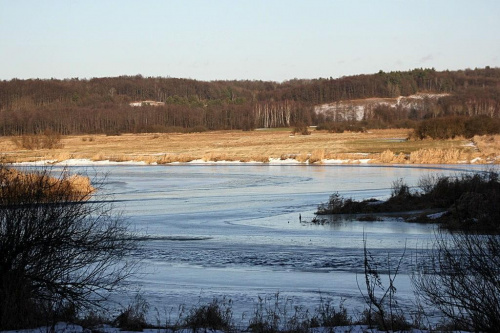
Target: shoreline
{"x":201,"y":162}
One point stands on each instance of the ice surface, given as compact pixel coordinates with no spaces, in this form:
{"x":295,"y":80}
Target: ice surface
{"x":219,"y":230}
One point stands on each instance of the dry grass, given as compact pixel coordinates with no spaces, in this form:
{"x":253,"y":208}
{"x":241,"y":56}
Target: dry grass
{"x":383,"y":146}
{"x":387,"y":156}
{"x":317,"y":156}
{"x":488,"y":145}
{"x":440,"y":156}
{"x":76,"y":186}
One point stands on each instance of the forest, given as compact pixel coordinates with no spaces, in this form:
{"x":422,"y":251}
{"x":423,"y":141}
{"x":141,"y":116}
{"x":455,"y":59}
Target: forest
{"x":163,"y":104}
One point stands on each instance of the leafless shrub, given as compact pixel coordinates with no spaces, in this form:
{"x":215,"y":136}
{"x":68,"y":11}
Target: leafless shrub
{"x":400,"y":189}
{"x":462,"y":280}
{"x":46,"y":140}
{"x":301,"y":128}
{"x":383,"y":310}
{"x":58,"y":249}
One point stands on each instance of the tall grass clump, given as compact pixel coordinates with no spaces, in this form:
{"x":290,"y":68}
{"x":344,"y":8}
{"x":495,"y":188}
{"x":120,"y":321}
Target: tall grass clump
{"x":216,"y":315}
{"x":133,"y":317}
{"x":317,"y":156}
{"x":439,"y":156}
{"x":387,"y":156}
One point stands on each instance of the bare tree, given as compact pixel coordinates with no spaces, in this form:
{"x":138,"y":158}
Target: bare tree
{"x":462,"y":280}
{"x":58,"y":249}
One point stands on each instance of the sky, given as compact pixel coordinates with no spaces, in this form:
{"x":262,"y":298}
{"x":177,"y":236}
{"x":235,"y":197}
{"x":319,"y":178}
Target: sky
{"x":273,"y":40}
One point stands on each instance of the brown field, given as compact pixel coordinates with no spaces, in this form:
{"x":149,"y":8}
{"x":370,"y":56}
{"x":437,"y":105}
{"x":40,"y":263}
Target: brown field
{"x":381,"y":146}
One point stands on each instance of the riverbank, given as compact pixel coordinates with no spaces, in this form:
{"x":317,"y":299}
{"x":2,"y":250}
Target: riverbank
{"x":265,"y":146}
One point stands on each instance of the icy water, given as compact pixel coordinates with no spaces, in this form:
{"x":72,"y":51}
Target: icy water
{"x":234,"y":231}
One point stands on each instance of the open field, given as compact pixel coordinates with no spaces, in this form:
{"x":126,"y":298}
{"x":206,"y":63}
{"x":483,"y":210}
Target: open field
{"x":380,"y":146}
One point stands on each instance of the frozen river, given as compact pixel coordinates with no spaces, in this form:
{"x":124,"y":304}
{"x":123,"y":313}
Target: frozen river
{"x":234,"y":231}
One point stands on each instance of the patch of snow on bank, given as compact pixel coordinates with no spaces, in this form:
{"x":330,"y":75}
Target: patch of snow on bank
{"x":360,"y":161}
{"x":36,"y":163}
{"x":335,"y":161}
{"x":280,"y":161}
{"x":210,"y":162}
{"x":70,"y":328}
{"x":57,"y":328}
{"x":469,"y":144}
{"x":436,"y":215}
{"x":85,"y":162}
{"x":272,"y":161}
{"x":78,"y":162}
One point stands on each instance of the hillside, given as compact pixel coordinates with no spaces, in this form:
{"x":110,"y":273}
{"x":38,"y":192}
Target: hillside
{"x":135,"y":104}
{"x":360,"y":109}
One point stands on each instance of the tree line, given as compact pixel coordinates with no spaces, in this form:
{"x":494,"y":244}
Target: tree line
{"x":102,"y":105}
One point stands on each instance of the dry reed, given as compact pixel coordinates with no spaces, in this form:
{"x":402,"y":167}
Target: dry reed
{"x":440,"y":156}
{"x":389,"y":157}
{"x":317,"y":156}
{"x":76,"y":186}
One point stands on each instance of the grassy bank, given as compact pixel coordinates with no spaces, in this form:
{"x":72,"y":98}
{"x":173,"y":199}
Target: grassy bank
{"x":377,"y":146}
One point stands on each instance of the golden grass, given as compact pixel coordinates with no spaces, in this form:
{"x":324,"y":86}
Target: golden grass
{"x":382,"y":146}
{"x":317,"y":156}
{"x":440,"y":156}
{"x":75,"y":186}
{"x":387,"y":156}
{"x":488,"y":145}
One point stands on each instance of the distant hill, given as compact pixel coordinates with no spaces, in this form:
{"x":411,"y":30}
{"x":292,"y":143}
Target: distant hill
{"x":156,"y":104}
{"x":360,"y":109}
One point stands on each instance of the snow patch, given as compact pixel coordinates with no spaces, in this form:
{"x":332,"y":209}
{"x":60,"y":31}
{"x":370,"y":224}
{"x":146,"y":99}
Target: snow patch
{"x":211,"y":162}
{"x":436,"y":215}
{"x":70,"y":328}
{"x":360,"y":161}
{"x":57,"y":328}
{"x":78,"y":162}
{"x":35,"y":163}
{"x":286,"y":161}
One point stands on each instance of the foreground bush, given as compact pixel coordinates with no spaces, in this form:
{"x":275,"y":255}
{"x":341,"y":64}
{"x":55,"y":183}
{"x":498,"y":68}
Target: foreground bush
{"x":59,"y":252}
{"x":461,"y":279}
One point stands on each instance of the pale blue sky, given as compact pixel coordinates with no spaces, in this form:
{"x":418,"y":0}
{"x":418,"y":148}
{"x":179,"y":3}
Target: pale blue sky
{"x":231,"y":39}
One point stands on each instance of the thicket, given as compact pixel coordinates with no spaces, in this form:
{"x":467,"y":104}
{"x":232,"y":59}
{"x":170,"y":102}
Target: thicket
{"x":460,"y":279}
{"x":59,"y":251}
{"x":451,"y":127}
{"x":470,"y":201}
{"x":46,"y":140}
{"x":101,"y":105}
{"x":341,"y":127}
